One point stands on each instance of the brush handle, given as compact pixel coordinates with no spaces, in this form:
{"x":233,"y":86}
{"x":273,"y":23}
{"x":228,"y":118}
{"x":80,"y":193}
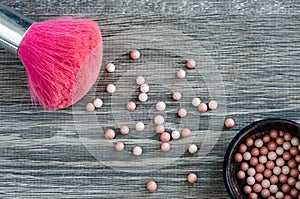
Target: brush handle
{"x":13,"y":26}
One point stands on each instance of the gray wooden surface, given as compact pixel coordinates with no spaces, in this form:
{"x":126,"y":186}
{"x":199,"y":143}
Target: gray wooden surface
{"x":253,"y":47}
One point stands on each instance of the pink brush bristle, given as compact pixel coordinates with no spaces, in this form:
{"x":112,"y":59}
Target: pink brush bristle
{"x":62,"y":58}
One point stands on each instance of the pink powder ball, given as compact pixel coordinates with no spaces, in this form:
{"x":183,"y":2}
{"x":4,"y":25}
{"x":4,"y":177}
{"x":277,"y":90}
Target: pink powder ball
{"x":110,"y":134}
{"x":182,"y":112}
{"x":165,"y":137}
{"x":186,"y":132}
{"x":124,"y":130}
{"x":89,"y":107}
{"x":119,"y":146}
{"x":176,"y":96}
{"x":190,"y":63}
{"x":135,"y":54}
{"x":229,"y":123}
{"x":202,"y":107}
{"x":192,"y":178}
{"x":160,"y":129}
{"x":181,"y":74}
{"x":131,"y":106}
{"x":165,"y":147}
{"x":151,"y":186}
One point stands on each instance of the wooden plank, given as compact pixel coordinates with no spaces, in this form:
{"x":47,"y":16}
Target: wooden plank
{"x":254,"y":46}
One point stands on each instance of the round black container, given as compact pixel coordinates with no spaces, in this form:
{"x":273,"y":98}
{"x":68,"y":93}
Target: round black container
{"x":233,"y":185}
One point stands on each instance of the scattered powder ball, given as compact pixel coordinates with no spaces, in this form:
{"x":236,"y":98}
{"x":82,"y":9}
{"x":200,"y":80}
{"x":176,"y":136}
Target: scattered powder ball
{"x":144,"y":88}
{"x":159,"y":120}
{"x":181,"y":74}
{"x":160,"y":106}
{"x":229,"y":123}
{"x":165,"y":147}
{"x":137,"y":150}
{"x":124,"y":130}
{"x":192,"y":178}
{"x":110,"y":67}
{"x":159,"y":129}
{"x":202,"y":107}
{"x":140,"y":80}
{"x":182,"y":112}
{"x":143,"y":97}
{"x":109,"y":134}
{"x":186,"y":132}
{"x":213,"y":105}
{"x":175,"y":135}
{"x":196,"y":101}
{"x":135,"y":54}
{"x":190,"y":63}
{"x":176,"y":96}
{"x":89,"y":107}
{"x":119,"y":146}
{"x":111,"y":88}
{"x":165,"y":137}
{"x":131,"y":106}
{"x":139,"y":126}
{"x":151,"y":186}
{"x":193,"y":148}
{"x":98,"y":103}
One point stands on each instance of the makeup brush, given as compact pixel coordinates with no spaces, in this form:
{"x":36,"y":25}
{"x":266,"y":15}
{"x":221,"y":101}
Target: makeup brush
{"x":62,"y":57}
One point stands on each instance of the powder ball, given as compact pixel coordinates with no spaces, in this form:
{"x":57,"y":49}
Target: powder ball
{"x":98,"y":103}
{"x":135,"y":54}
{"x":110,"y":67}
{"x":89,"y":107}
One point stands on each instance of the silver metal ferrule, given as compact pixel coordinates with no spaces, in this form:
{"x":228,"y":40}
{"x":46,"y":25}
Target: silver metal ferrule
{"x":13,"y":26}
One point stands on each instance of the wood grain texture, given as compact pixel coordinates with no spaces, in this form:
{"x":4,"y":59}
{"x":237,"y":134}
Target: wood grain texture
{"x":255,"y":47}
